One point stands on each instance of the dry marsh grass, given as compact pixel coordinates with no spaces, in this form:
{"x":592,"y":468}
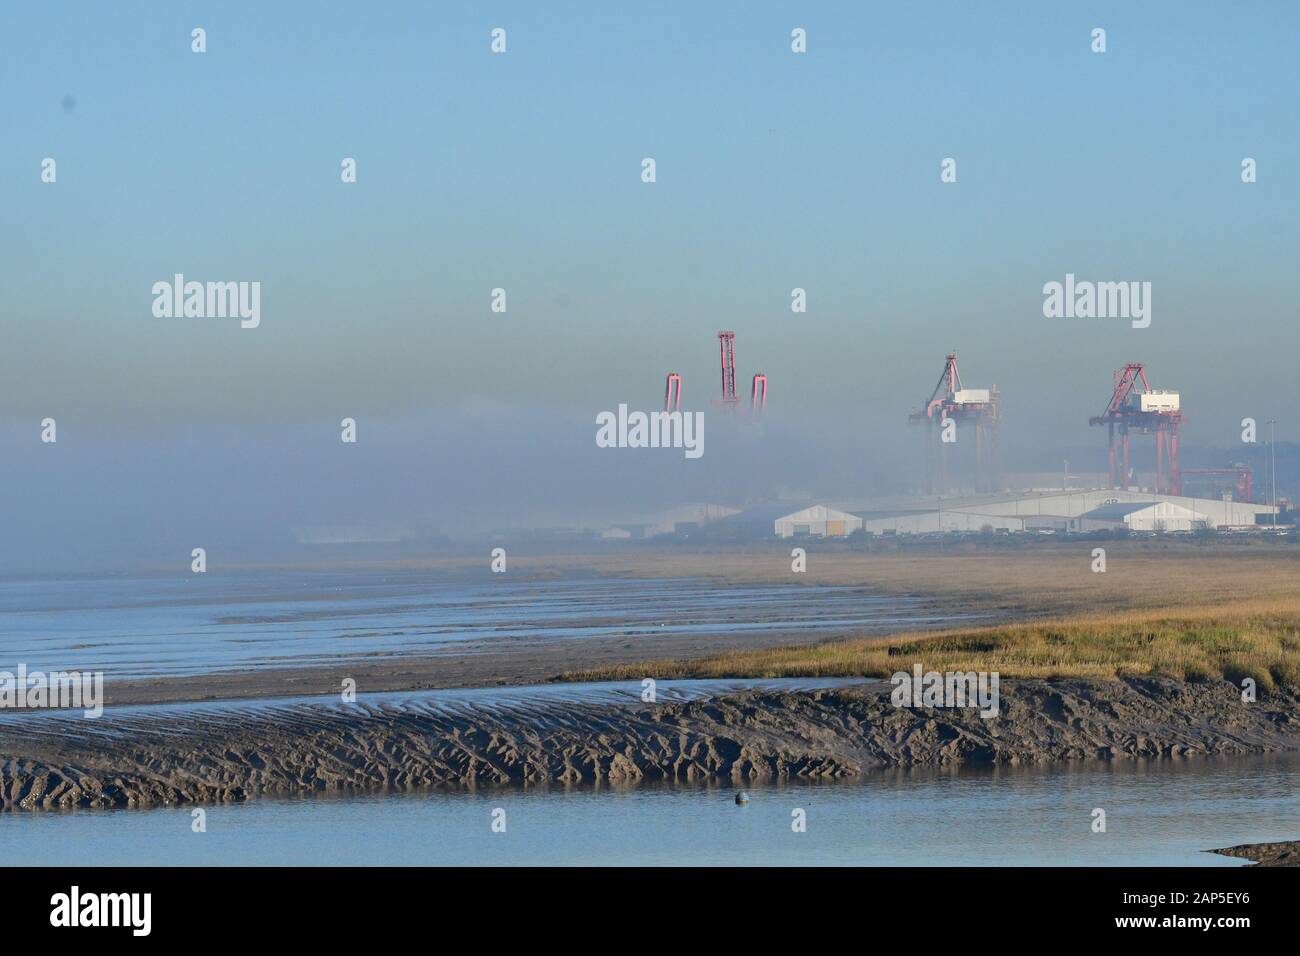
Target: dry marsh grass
{"x":1258,"y":638}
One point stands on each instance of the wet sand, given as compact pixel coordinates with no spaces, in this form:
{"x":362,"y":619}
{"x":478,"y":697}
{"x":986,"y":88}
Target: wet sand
{"x":163,"y":639}
{"x":501,"y":663}
{"x":995,"y":583}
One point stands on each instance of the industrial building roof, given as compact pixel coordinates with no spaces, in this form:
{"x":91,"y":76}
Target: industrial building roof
{"x":816,"y":513}
{"x":1117,"y":512}
{"x":765,"y":513}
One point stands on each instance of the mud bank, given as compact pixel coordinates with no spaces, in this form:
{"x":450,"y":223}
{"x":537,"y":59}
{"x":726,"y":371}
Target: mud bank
{"x":1266,"y":854}
{"x":206,"y":755}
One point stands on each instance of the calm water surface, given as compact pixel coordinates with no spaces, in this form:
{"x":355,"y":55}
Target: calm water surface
{"x":1157,"y":813}
{"x":131,"y":627}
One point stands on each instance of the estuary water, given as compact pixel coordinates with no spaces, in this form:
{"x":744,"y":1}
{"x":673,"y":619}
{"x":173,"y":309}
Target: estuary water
{"x":1157,"y":813}
{"x":136,"y":627}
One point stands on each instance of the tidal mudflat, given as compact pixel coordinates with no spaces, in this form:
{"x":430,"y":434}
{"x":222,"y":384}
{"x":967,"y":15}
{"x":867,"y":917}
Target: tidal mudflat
{"x":731,"y":733}
{"x":268,"y":634}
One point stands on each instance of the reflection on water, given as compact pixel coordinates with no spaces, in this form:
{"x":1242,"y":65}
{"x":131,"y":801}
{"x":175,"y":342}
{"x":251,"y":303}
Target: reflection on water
{"x":192,"y":624}
{"x":1157,"y":813}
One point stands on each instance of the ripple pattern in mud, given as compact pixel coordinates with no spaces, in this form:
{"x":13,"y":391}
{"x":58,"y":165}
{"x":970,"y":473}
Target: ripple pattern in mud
{"x":214,"y":753}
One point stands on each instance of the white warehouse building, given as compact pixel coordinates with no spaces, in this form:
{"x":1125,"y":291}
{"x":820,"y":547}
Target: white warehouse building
{"x":1060,"y":510}
{"x":818,"y":521}
{"x":1136,"y":516}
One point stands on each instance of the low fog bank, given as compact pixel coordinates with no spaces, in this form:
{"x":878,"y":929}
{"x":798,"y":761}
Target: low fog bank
{"x":123,"y":499}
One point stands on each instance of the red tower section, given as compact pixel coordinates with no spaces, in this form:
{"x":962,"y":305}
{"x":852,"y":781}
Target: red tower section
{"x":727,"y":347}
{"x":758,"y":395}
{"x":673,"y":393}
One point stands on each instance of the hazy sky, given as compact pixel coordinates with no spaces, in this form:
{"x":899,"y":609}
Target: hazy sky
{"x":522,"y":171}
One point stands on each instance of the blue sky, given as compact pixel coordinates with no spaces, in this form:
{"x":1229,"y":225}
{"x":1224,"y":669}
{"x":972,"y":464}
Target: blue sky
{"x":775,"y":170}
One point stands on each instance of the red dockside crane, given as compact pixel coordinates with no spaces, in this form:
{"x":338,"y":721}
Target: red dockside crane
{"x":673,"y":393}
{"x":1211,"y":482}
{"x":977,"y":407}
{"x":727,"y":344}
{"x":1135,"y":405}
{"x":729,"y":402}
{"x":758,"y":396}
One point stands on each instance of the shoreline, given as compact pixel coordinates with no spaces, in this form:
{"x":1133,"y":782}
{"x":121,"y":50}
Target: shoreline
{"x":518,"y":662}
{"x":1286,"y":853}
{"x":501,"y":662}
{"x":217,"y":755}
{"x":1005,"y":587}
